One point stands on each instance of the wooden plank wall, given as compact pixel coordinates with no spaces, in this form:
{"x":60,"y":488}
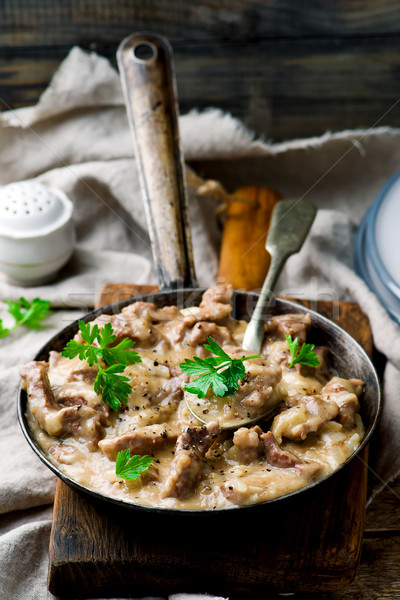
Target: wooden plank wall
{"x":288,"y":68}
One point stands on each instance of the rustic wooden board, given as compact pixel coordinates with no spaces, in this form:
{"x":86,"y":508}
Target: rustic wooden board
{"x":308,"y":543}
{"x":288,"y":69}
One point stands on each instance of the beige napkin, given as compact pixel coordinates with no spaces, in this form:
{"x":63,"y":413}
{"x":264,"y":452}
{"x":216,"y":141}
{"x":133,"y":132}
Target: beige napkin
{"x":76,"y":138}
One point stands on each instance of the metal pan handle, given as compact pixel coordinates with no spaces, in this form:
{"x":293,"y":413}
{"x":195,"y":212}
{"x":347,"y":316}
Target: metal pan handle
{"x":146,"y":68}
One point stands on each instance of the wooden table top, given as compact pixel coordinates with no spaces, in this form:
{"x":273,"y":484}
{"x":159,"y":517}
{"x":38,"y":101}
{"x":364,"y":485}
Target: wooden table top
{"x":379,"y":573}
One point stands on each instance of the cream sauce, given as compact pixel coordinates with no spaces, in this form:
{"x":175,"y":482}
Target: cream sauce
{"x":322,"y":451}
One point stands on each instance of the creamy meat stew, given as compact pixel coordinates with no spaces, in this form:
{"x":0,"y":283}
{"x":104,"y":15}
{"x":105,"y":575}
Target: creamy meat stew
{"x":316,"y":427}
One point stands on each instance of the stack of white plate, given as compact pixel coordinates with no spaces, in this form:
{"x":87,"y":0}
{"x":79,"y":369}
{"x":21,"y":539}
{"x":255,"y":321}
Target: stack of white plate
{"x":377,"y":248}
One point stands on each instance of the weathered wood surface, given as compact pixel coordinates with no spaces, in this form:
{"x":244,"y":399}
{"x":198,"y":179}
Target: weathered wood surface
{"x":288,"y":69}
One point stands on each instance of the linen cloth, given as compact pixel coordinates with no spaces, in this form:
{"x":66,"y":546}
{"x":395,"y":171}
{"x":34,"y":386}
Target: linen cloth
{"x":76,"y":138}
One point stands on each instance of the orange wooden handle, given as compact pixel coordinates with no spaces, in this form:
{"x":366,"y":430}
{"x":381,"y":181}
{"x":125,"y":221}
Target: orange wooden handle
{"x":244,"y":261}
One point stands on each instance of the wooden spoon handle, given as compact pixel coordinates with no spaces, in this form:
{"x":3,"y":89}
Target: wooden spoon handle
{"x":148,"y":82}
{"x":244,"y":261}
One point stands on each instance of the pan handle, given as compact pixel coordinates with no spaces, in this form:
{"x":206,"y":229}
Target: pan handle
{"x":146,"y":69}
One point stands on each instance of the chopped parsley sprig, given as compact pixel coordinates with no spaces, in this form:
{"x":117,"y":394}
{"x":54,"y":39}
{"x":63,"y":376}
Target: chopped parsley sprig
{"x":115,"y":388}
{"x":131,"y":468}
{"x":26,"y":313}
{"x":306,"y":355}
{"x":221,"y":372}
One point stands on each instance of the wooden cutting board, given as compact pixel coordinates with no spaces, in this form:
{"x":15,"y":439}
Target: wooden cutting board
{"x":311,"y":542}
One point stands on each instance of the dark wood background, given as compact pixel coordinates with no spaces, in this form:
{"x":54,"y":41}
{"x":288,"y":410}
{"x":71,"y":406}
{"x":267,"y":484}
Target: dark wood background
{"x":288,"y":68}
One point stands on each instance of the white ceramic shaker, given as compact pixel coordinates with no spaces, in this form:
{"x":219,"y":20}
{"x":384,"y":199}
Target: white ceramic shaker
{"x":36,"y":232}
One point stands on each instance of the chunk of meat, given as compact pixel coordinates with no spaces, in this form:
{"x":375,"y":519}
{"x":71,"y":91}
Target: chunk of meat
{"x":83,"y":373}
{"x":203,"y":329}
{"x":139,"y":310}
{"x":185,"y":473}
{"x":258,"y":399}
{"x":275,"y":456}
{"x":307,"y":415}
{"x":156,"y":399}
{"x":237,"y":490}
{"x":81,"y":421}
{"x":151,"y":475}
{"x":216,"y":303}
{"x":65,"y":453}
{"x":171,"y":390}
{"x":35,"y":382}
{"x":71,"y":400}
{"x":65,"y":370}
{"x":258,"y":388}
{"x":277,"y":352}
{"x":247,"y":445}
{"x":215,"y":306}
{"x":296,"y":325}
{"x":135,"y":322}
{"x":55,"y":358}
{"x":142,"y":440}
{"x":72,"y":384}
{"x":119,"y":325}
{"x":149,"y":312}
{"x":177,"y":333}
{"x":322,"y":371}
{"x":150,"y":322}
{"x":187,"y":467}
{"x":251,"y":444}
{"x":243,"y":488}
{"x":344,"y":393}
{"x":358,"y":386}
{"x":75,"y":399}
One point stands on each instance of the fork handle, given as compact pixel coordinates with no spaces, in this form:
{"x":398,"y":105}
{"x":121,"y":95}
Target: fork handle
{"x":254,"y":333}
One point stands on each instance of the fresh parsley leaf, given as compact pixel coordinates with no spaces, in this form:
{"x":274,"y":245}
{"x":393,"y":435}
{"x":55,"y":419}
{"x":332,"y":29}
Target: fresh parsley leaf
{"x":75,"y":348}
{"x":115,"y":388}
{"x":83,"y":351}
{"x":109,"y":382}
{"x":121,"y":353}
{"x":306,"y":356}
{"x":89,"y":334}
{"x":31,"y":314}
{"x":131,"y":468}
{"x":3,"y":330}
{"x":216,"y":349}
{"x":234,"y":375}
{"x":221,"y":372}
{"x":197,"y":366}
{"x":14,"y":308}
{"x":26,"y":313}
{"x":208,"y":376}
{"x":200,"y":386}
{"x":91,"y":355}
{"x":107,"y":337}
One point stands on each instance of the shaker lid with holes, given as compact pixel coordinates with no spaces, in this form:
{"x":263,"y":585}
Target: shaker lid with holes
{"x":31,"y":209}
